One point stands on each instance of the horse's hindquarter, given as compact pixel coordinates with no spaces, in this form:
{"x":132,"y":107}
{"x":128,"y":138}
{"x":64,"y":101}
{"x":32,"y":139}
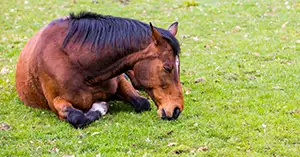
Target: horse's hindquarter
{"x":45,"y":72}
{"x":27,"y":83}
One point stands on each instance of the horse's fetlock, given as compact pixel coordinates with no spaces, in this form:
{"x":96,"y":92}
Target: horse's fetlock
{"x":93,"y":115}
{"x":77,"y":118}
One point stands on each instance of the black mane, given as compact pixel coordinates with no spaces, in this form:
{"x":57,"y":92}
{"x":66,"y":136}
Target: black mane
{"x":122,"y":34}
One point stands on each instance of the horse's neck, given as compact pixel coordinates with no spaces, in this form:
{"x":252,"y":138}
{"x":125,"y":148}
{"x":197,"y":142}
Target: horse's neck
{"x":120,"y":66}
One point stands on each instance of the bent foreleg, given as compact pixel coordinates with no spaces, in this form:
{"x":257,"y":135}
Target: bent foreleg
{"x":127,"y":93}
{"x":65,"y":111}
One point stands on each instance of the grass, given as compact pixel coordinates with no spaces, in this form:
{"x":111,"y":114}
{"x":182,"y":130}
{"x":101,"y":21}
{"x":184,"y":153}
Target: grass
{"x":247,"y":103}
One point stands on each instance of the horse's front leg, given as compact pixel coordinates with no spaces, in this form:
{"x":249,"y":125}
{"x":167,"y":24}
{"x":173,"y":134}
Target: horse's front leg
{"x":127,"y":93}
{"x":65,"y":111}
{"x":76,"y":117}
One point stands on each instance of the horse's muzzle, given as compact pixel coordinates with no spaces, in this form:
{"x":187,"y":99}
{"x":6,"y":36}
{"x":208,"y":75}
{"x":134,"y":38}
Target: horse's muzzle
{"x":175,"y":114}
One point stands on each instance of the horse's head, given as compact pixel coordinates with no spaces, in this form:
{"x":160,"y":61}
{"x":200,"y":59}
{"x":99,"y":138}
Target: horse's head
{"x":159,"y":75}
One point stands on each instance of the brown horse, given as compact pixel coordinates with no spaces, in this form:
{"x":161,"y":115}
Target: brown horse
{"x":74,"y":65}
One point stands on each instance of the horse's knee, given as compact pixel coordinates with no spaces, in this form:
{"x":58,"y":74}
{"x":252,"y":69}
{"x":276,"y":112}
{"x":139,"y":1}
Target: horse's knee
{"x":60,"y":106}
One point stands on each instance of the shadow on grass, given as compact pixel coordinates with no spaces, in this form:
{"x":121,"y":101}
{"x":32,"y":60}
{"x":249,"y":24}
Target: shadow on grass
{"x":119,"y":106}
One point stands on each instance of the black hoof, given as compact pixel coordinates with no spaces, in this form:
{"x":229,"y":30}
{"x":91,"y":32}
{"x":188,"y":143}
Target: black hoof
{"x":93,"y":115}
{"x":140,"y":104}
{"x":77,"y":118}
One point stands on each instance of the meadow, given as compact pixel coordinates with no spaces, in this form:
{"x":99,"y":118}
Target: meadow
{"x":240,"y":71}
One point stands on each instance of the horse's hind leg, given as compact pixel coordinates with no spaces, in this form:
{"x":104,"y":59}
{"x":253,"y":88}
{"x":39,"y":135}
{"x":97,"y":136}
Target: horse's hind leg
{"x":66,"y":111}
{"x":127,"y":93}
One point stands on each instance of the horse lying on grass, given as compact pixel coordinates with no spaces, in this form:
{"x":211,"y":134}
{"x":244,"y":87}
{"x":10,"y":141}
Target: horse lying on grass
{"x":74,"y":65}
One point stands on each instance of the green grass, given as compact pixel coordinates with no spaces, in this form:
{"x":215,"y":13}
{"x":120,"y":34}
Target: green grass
{"x":247,"y":52}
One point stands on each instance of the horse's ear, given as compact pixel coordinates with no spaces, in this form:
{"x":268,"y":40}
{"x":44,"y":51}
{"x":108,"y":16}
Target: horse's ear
{"x":155,"y":34}
{"x":173,"y":28}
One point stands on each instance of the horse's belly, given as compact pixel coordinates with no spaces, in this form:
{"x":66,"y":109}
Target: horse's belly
{"x":83,"y":96}
{"x":104,"y":91}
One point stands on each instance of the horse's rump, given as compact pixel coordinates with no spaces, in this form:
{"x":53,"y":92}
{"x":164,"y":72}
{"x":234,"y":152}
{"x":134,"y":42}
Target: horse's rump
{"x":27,"y":84}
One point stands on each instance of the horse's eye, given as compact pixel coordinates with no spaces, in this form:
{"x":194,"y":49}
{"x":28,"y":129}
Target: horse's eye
{"x":168,"y":68}
{"x":163,"y":86}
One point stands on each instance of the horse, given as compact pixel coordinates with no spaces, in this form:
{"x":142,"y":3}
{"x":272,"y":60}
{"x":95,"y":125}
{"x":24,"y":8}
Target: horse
{"x":75,"y":65}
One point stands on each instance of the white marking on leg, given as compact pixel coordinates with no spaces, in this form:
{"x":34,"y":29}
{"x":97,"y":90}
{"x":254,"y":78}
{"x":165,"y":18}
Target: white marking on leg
{"x":100,"y":106}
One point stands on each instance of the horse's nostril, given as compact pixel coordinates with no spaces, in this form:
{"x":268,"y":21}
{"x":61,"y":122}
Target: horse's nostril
{"x":163,"y":114}
{"x":176,"y":113}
